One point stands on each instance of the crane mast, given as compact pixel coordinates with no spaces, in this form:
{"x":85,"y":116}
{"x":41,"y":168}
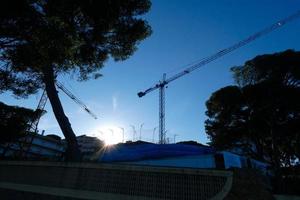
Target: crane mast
{"x":162,"y":135}
{"x":162,"y":83}
{"x":34,"y":124}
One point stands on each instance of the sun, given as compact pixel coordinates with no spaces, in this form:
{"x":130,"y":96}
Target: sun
{"x":110,"y":135}
{"x":111,"y":140}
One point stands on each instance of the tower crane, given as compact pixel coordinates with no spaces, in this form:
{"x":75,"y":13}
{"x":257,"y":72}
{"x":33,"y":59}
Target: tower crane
{"x":25,"y":145}
{"x":165,"y":81}
{"x":34,"y":124}
{"x":75,"y":99}
{"x":43,"y":101}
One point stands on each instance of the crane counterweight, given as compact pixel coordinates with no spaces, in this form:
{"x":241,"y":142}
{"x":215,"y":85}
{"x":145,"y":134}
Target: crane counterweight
{"x":141,"y":94}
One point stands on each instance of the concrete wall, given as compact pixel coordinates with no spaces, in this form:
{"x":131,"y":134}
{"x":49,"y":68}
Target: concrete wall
{"x":286,"y":197}
{"x":53,"y":180}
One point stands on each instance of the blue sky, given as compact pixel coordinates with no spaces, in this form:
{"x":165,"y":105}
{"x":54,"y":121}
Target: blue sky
{"x":183,"y":31}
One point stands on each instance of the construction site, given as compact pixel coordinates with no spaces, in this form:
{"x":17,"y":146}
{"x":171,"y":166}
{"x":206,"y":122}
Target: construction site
{"x":130,"y":154}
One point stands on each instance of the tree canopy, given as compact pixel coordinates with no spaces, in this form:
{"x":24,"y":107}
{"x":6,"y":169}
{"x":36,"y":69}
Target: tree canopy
{"x":15,"y":121}
{"x":41,"y":39}
{"x":68,"y":35}
{"x":261,"y":114}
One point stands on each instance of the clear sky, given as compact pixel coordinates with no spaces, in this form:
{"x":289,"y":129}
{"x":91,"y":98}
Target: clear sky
{"x":183,"y":31}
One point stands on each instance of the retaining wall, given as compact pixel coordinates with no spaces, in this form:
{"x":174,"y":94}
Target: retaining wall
{"x":58,"y":180}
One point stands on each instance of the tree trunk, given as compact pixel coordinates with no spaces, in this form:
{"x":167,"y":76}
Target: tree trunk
{"x":72,"y":152}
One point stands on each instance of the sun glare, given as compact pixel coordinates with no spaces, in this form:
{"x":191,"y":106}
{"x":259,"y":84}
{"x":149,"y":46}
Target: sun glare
{"x":110,"y":135}
{"x":110,"y":140}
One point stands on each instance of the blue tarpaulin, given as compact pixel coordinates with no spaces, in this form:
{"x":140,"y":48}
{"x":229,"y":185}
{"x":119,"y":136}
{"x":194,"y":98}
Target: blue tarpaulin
{"x":134,"y":152}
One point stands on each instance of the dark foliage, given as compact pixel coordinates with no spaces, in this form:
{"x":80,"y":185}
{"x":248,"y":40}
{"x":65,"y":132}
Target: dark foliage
{"x":41,"y":39}
{"x":249,"y":184}
{"x":15,"y":122}
{"x":261,"y":116}
{"x":191,"y":142}
{"x":287,"y":181}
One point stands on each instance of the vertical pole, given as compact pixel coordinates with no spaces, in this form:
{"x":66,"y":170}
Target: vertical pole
{"x":153,"y":134}
{"x":162,"y":111}
{"x":133,"y":132}
{"x":140,"y":138}
{"x":175,"y":138}
{"x":123,"y":134}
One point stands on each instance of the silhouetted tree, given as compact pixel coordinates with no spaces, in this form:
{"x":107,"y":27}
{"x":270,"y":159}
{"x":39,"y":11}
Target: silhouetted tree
{"x":41,"y":39}
{"x":262,"y":114}
{"x":15,"y":122}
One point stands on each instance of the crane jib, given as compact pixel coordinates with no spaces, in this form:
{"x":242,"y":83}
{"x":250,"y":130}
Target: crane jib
{"x":207,"y":60}
{"x":224,"y":51}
